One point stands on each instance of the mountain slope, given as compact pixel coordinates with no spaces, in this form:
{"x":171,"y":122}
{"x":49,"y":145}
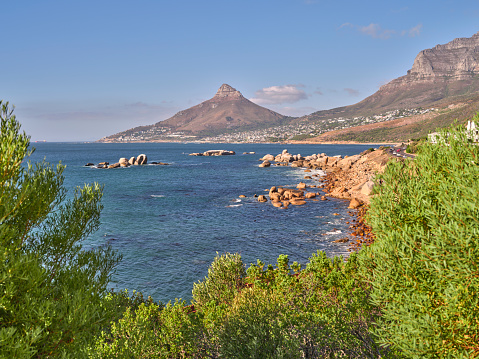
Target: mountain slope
{"x":442,"y":74}
{"x":444,"y":77}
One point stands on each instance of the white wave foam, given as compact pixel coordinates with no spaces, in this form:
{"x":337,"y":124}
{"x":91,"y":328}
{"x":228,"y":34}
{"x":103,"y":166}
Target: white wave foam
{"x":158,"y":195}
{"x":334,"y":232}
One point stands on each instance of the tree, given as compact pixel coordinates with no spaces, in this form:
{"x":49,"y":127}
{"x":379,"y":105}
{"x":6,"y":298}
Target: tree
{"x":52,"y":292}
{"x":424,"y":263}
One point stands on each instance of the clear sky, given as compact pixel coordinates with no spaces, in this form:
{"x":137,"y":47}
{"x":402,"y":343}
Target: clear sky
{"x":81,"y":70}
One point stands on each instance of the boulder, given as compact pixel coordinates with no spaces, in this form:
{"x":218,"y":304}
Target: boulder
{"x":141,"y":160}
{"x":310,"y":195}
{"x":218,"y":153}
{"x":115,"y":165}
{"x":355,"y":203}
{"x":367,"y":188}
{"x":265,"y":164}
{"x":132,"y":161}
{"x":89,"y":164}
{"x":267,"y":158}
{"x":262,"y":198}
{"x":297,"y":164}
{"x":123,"y":162}
{"x":275,"y":197}
{"x":298,"y":202}
{"x":301,"y":185}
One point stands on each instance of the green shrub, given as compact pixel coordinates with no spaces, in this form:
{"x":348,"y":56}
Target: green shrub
{"x":52,"y":292}
{"x":424,"y":264}
{"x":151,"y":331}
{"x":225,"y":278}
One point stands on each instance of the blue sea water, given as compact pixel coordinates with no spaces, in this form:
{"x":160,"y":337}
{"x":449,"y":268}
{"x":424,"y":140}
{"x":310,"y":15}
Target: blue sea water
{"x":169,"y":222}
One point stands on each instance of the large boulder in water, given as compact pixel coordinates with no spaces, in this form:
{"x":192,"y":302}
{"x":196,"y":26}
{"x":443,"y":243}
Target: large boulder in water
{"x":268,"y":158}
{"x":141,"y":160}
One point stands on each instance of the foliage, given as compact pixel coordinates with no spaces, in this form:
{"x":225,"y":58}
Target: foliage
{"x":51,"y":290}
{"x":415,"y":144}
{"x":274,"y":312}
{"x":424,"y":264}
{"x":283,"y":312}
{"x":151,"y":331}
{"x":224,"y":280}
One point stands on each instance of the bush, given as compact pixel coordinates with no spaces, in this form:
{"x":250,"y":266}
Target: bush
{"x":225,"y":278}
{"x":51,"y":291}
{"x":283,"y":312}
{"x":424,"y":264}
{"x":151,"y":331}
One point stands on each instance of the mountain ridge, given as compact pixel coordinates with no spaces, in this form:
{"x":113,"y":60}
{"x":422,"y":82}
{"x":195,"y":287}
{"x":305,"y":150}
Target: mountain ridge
{"x":440,"y":76}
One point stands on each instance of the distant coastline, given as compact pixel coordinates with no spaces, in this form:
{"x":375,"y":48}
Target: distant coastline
{"x":268,"y":143}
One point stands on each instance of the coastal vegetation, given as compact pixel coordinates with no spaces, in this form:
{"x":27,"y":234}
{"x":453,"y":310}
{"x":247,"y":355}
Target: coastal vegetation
{"x":411,"y":292}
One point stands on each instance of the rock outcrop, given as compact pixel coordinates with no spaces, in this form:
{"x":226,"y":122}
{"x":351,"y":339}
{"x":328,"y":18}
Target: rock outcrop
{"x":214,"y":153}
{"x":123,"y":162}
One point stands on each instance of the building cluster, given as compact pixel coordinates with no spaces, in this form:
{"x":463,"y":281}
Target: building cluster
{"x":305,"y":129}
{"x":312,"y":128}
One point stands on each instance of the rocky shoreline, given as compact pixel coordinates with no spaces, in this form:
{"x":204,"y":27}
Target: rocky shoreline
{"x":349,"y":178}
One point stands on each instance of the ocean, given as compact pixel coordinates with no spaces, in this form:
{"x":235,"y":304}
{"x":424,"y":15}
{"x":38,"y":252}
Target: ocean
{"x":169,"y":222}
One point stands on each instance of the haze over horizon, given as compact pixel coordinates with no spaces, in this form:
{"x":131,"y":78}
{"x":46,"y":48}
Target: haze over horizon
{"x":78,"y":71}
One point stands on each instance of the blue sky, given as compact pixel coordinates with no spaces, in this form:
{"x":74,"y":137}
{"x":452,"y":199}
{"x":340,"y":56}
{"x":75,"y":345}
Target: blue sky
{"x":81,"y":70}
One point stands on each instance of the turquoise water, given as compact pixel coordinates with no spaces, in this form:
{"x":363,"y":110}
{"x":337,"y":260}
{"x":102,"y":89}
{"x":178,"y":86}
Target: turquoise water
{"x":168,"y":222}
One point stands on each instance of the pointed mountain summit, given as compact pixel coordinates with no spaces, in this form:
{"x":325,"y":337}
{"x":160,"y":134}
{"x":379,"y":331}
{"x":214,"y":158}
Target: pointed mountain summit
{"x":227,"y":92}
{"x":227,"y":110}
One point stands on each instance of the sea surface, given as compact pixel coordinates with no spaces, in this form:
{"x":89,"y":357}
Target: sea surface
{"x":169,"y":222}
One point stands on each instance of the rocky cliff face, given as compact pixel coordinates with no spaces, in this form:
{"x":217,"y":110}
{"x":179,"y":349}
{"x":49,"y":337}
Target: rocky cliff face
{"x":458,"y":59}
{"x":442,"y":72}
{"x":226,"y":92}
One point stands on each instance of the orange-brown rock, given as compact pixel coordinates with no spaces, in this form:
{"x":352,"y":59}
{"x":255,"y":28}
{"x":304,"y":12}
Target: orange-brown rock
{"x":301,"y":185}
{"x":262,"y":198}
{"x":298,"y":202}
{"x":355,"y":203}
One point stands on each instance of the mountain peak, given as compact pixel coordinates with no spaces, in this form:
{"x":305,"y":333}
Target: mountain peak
{"x":226,"y":91}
